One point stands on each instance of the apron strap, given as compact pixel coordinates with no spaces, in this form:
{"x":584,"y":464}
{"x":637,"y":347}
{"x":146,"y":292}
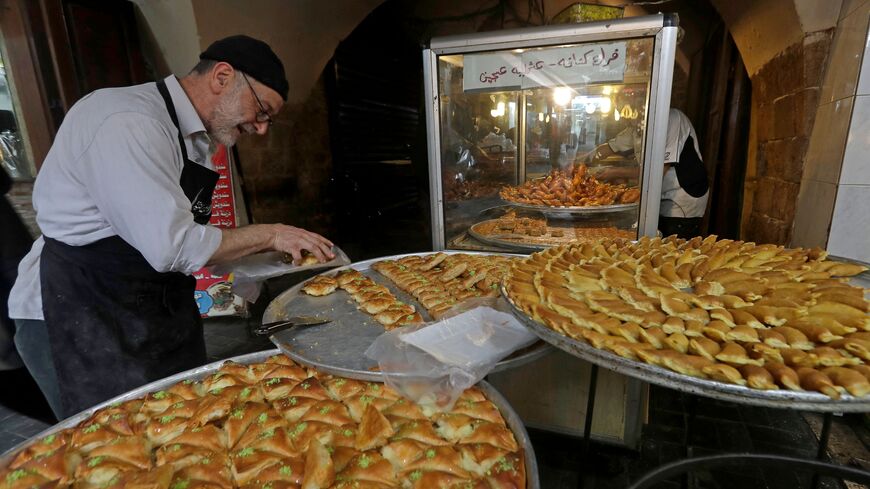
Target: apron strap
{"x":164,"y":92}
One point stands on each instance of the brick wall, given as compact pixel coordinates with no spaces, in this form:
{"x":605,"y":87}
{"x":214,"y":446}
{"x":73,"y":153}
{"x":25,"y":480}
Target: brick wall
{"x":287,"y":173}
{"x":785,"y":95}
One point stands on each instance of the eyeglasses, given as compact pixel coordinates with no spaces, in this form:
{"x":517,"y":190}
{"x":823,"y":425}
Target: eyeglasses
{"x":262,"y":115}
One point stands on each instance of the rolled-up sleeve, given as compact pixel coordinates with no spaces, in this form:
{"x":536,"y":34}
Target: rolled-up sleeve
{"x":132,"y":169}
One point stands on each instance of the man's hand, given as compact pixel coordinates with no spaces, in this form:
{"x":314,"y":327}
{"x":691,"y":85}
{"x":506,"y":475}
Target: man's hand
{"x":293,"y":240}
{"x":256,"y":238}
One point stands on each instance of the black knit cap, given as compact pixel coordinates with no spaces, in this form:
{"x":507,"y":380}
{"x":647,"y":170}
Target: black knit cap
{"x":253,"y":57}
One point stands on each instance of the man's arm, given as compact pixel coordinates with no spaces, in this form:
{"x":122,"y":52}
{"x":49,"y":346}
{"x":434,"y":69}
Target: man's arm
{"x":132,"y":172}
{"x":244,"y":241}
{"x":626,"y":172}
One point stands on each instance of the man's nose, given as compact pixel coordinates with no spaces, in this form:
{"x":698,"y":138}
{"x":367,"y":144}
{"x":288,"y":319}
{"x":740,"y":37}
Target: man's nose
{"x":261,"y":127}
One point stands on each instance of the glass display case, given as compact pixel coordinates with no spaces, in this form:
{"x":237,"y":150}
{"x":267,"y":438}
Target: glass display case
{"x":546,"y":135}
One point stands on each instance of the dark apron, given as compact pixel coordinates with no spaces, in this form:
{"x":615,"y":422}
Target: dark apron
{"x":114,"y":322}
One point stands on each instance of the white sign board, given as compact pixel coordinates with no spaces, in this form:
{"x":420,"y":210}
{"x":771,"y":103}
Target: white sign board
{"x":557,"y":67}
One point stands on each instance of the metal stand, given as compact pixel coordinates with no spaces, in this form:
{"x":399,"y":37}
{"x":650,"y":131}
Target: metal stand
{"x":668,"y":471}
{"x":691,"y":411}
{"x":585,"y":456}
{"x":590,"y":407}
{"x":823,"y":446}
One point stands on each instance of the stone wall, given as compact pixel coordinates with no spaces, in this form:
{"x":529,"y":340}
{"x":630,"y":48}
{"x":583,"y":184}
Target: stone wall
{"x":288,"y":171}
{"x":785,"y":95}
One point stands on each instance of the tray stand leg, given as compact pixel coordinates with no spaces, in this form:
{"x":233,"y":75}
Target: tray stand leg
{"x":587,"y":422}
{"x":823,"y":446}
{"x":688,"y":480}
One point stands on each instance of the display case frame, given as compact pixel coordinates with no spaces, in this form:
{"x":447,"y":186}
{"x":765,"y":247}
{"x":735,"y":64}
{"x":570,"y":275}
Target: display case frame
{"x":662,"y":28}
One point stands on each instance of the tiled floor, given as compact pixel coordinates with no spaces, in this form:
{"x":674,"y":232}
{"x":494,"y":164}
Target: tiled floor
{"x":717,"y":427}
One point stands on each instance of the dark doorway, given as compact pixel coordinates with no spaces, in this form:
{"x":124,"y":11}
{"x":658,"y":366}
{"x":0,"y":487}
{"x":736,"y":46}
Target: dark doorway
{"x":378,"y":137}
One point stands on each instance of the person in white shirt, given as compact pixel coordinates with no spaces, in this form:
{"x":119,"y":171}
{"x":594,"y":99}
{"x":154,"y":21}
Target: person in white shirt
{"x":685,"y":189}
{"x":104,"y":300}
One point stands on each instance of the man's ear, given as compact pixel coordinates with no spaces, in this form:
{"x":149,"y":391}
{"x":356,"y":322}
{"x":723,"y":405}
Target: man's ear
{"x":221,"y":77}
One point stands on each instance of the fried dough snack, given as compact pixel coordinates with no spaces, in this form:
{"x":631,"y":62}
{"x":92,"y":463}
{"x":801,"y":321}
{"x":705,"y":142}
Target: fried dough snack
{"x":277,"y":424}
{"x":371,"y":297}
{"x":574,"y":188}
{"x":763,"y":316}
{"x":536,"y":231}
{"x":440,"y":281}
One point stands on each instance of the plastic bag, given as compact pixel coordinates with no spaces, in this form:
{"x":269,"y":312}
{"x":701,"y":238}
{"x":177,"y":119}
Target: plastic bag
{"x":251,"y":271}
{"x":434,"y":363}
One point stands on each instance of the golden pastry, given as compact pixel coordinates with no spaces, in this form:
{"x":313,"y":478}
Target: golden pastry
{"x":757,"y":377}
{"x":784,"y":376}
{"x":320,"y":286}
{"x":852,"y":381}
{"x":724,"y":373}
{"x":734,"y":354}
{"x":704,"y":347}
{"x":814,"y":380}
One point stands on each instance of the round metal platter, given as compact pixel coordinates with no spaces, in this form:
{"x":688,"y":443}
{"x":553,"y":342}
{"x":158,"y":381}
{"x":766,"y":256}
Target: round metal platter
{"x":570,"y":212}
{"x":505,"y":243}
{"x":510,"y":416}
{"x":518,"y":245}
{"x":338,"y":347}
{"x":782,"y":398}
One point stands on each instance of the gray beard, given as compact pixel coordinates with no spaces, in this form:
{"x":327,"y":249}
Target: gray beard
{"x":227,"y":115}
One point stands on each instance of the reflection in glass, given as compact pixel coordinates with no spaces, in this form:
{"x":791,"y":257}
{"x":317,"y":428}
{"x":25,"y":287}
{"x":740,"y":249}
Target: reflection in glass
{"x":12,"y":156}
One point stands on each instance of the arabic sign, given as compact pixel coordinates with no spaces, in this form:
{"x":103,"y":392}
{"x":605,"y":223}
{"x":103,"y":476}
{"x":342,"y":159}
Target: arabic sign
{"x":556,"y":67}
{"x":213,"y":295}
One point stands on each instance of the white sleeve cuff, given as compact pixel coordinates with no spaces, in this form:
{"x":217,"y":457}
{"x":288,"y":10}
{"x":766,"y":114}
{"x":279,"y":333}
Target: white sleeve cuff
{"x":200,"y":243}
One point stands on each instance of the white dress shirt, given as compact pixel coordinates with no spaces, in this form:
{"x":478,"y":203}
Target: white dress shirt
{"x":114,"y":169}
{"x":675,"y":201}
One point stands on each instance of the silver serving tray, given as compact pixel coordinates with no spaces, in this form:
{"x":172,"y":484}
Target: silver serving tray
{"x":569,"y":212}
{"x":506,"y":244}
{"x":339,"y":347}
{"x":781,"y":399}
{"x":511,"y":417}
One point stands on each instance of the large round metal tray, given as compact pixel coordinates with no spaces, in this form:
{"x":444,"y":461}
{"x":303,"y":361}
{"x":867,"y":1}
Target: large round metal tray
{"x":782,"y":399}
{"x":339,"y":347}
{"x":510,"y":416}
{"x":570,"y":212}
{"x":505,"y":243}
{"x":517,"y":245}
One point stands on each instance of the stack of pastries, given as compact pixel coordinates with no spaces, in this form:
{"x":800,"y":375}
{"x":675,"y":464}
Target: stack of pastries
{"x":575,"y":187}
{"x":760,"y":316}
{"x":276,"y":425}
{"x":370,"y":296}
{"x":441,"y":281}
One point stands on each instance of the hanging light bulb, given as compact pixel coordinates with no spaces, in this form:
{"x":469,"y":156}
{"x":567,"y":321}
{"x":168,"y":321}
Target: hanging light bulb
{"x":562,"y":95}
{"x":606,"y":105}
{"x":590,"y":108}
{"x":541,"y":116}
{"x":616,"y":115}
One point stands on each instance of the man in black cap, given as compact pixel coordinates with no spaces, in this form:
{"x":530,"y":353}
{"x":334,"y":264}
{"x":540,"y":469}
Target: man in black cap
{"x":104,"y":300}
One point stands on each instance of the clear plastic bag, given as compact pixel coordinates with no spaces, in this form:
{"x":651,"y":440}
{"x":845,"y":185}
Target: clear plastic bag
{"x":251,"y":271}
{"x":434,"y":363}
